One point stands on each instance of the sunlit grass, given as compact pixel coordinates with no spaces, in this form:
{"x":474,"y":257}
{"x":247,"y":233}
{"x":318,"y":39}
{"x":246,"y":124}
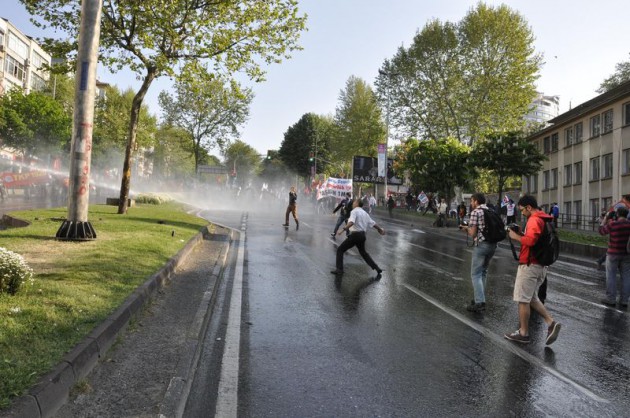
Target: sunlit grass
{"x":78,"y":284}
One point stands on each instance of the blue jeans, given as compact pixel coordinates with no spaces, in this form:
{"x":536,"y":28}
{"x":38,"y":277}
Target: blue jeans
{"x":482,"y":254}
{"x":341,"y":219}
{"x":614,"y":264}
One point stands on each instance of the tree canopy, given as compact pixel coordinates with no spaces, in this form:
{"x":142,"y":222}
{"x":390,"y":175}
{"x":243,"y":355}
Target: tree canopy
{"x":153,"y":37}
{"x":243,"y":160}
{"x":620,"y":76}
{"x":462,"y":80}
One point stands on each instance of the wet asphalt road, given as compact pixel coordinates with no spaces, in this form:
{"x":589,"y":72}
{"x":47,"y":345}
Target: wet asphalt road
{"x":314,"y":345}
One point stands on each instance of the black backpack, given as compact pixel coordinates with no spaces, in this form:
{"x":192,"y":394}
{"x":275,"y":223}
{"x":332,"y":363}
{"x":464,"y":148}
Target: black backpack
{"x":494,"y":228}
{"x":348,"y":208}
{"x":547,"y":249}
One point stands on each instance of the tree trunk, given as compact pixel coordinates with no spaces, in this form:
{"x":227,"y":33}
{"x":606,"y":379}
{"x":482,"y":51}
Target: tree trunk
{"x":131,"y":139}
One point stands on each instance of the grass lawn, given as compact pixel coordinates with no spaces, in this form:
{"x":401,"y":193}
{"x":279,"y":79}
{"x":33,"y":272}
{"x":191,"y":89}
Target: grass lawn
{"x":78,"y":284}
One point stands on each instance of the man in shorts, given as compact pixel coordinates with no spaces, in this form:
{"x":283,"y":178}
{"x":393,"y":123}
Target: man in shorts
{"x":530,"y":274}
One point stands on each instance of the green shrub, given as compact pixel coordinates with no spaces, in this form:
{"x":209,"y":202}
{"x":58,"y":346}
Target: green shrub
{"x":14,"y":272}
{"x":153,"y":198}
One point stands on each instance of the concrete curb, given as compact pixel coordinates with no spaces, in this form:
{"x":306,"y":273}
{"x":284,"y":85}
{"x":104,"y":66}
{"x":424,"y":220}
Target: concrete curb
{"x":174,"y":401}
{"x":52,"y":391}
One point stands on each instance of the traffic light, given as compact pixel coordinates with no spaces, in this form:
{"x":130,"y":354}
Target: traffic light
{"x":311,"y":157}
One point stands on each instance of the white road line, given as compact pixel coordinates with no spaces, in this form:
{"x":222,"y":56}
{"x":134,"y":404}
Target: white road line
{"x":573,"y":279}
{"x":227,"y":398}
{"x":599,"y":305}
{"x":438,"y":252}
{"x":502,"y":342}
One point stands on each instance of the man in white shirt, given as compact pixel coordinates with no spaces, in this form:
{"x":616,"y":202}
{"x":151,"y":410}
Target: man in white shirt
{"x":358,"y":224}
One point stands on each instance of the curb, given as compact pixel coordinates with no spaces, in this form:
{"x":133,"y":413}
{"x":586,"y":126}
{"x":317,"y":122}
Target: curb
{"x":52,"y":391}
{"x":174,"y":401}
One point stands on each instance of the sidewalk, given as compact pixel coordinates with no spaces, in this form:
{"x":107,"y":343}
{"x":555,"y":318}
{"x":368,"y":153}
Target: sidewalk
{"x":135,"y":362}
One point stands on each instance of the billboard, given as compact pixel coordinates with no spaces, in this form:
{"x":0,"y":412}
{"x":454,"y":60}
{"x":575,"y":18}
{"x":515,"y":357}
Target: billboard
{"x":365,"y":170}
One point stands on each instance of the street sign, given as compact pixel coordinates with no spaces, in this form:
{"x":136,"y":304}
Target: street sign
{"x":212,"y":169}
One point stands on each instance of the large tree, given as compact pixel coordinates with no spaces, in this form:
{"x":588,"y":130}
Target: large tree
{"x":208,"y":107}
{"x":462,"y":80}
{"x":33,"y":123}
{"x":506,"y":155}
{"x":358,"y":120}
{"x":243,"y":160}
{"x":153,"y":37}
{"x":620,"y":76}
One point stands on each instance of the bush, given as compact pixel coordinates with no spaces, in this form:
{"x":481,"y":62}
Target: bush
{"x":14,"y":272}
{"x":153,"y":199}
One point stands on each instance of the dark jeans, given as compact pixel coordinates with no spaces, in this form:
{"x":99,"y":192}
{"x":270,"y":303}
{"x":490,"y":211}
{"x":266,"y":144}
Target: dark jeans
{"x":358,"y":239}
{"x":340,"y":220}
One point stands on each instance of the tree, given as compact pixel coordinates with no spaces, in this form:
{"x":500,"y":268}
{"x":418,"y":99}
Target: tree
{"x":507,"y":155}
{"x":206,"y":108}
{"x":311,"y":134}
{"x":151,"y":37}
{"x":358,"y":120}
{"x":33,"y":123}
{"x":620,"y":76}
{"x":436,"y":165}
{"x":243,"y":160}
{"x":463,"y":80}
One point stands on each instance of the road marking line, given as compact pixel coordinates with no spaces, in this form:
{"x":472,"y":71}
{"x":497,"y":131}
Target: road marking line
{"x":599,"y":305}
{"x":580,"y":281}
{"x":502,"y":342}
{"x":227,"y":398}
{"x":435,"y":251}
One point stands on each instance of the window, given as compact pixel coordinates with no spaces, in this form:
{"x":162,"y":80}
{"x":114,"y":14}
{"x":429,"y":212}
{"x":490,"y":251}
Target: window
{"x":554,"y":178}
{"x":546,"y":145}
{"x":18,"y":46}
{"x":594,"y":204}
{"x":608,"y":122}
{"x":607,"y":163}
{"x":594,"y":168}
{"x":626,"y":114}
{"x":37,"y":82}
{"x":567,"y":208}
{"x":595,"y":126}
{"x":545,"y":179}
{"x":554,"y":142}
{"x":578,"y":133}
{"x":13,"y":67}
{"x":577,"y":208}
{"x":577,"y":170}
{"x":532,"y":183}
{"x":606,"y":202}
{"x":568,"y":178}
{"x":625,"y":161}
{"x":568,"y":137}
{"x":37,"y":61}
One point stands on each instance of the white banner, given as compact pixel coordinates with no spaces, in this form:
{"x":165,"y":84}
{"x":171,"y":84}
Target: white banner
{"x":382,"y":165}
{"x":335,"y":188}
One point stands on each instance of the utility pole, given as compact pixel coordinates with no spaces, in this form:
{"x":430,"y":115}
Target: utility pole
{"x":77,"y":227}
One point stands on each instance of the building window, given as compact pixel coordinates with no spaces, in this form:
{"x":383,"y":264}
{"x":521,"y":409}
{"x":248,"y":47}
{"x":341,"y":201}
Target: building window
{"x":532,"y":183}
{"x":554,"y":142}
{"x":18,"y":46}
{"x":545,"y":179}
{"x":567,"y":208}
{"x":594,"y":169}
{"x":594,"y":204}
{"x":577,"y":169}
{"x":607,"y":163}
{"x":546,"y":145}
{"x":595,"y":126}
{"x":626,"y":114}
{"x":625,"y":161}
{"x":568,"y":178}
{"x":578,"y":133}
{"x":606,"y":203}
{"x":577,"y":208}
{"x":37,"y":61}
{"x":568,"y":137}
{"x":14,"y":67}
{"x":608,"y":121}
{"x":37,"y":82}
{"x":554,"y":178}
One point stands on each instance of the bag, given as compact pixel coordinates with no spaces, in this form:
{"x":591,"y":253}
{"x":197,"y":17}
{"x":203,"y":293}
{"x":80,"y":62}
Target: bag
{"x":494,"y":229}
{"x":547,"y":249}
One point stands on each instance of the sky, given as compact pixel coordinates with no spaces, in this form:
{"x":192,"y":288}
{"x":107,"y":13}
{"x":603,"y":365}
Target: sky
{"x":581,"y":41}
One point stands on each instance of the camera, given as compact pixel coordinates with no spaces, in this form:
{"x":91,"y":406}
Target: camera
{"x":513,"y":227}
{"x":463,"y":224}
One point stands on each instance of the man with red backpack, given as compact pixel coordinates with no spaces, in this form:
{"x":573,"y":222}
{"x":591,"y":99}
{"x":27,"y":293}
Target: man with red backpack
{"x":530,"y":273}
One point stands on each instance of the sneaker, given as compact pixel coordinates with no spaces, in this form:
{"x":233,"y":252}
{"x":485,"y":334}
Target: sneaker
{"x":285,"y":224}
{"x":516,"y":336}
{"x":333,"y":235}
{"x":552,"y":332}
{"x":476,"y":307}
{"x":607,"y":302}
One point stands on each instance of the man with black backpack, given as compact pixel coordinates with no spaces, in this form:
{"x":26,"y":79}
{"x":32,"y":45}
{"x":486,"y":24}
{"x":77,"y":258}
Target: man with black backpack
{"x":344,"y":208}
{"x":486,"y":229}
{"x":534,"y":257}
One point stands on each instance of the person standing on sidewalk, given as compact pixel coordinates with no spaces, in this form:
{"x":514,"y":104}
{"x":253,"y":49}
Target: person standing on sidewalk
{"x":483,"y":252}
{"x":390,"y":205}
{"x":530,"y":274}
{"x":292,"y":208}
{"x":358,"y":225}
{"x":617,"y":258}
{"x":343,"y":214}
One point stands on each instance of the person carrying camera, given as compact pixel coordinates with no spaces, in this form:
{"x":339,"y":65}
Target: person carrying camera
{"x":617,"y":226}
{"x":292,"y":209}
{"x":530,"y":274}
{"x":483,"y":252}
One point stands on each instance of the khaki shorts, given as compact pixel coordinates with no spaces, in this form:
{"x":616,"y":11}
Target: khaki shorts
{"x":528,"y":280}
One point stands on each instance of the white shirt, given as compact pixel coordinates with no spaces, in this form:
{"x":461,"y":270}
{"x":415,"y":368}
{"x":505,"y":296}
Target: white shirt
{"x":510,"y":209}
{"x":442,"y":208}
{"x":361,"y":220}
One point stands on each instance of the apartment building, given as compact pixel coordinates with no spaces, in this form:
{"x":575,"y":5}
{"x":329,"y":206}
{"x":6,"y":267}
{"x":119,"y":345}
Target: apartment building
{"x":588,"y":166}
{"x":21,"y":60}
{"x":544,"y":108}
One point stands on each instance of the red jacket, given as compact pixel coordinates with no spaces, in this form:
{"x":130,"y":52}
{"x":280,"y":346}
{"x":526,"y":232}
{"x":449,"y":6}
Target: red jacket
{"x":533,"y":229}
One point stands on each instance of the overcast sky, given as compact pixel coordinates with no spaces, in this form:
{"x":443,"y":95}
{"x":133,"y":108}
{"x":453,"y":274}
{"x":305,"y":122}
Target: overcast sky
{"x":581,"y":41}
